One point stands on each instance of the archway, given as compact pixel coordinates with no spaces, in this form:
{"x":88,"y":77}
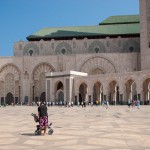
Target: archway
{"x":98,"y":65}
{"x":97,"y":92}
{"x":9,"y":98}
{"x":43,"y":97}
{"x":39,"y":80}
{"x":59,"y":96}
{"x":114,"y":93}
{"x":146,"y":90}
{"x":83,"y":93}
{"x":131,"y":91}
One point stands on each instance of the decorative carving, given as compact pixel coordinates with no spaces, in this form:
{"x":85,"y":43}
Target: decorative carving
{"x":97,"y":63}
{"x":131,"y":46}
{"x":65,"y":46}
{"x":96,"y":44}
{"x":31,"y":47}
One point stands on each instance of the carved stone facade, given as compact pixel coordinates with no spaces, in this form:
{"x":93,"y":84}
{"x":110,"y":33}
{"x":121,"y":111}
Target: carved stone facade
{"x":118,"y":68}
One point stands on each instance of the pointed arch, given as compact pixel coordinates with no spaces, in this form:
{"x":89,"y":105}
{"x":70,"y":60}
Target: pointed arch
{"x":97,"y":62}
{"x":38,"y":75}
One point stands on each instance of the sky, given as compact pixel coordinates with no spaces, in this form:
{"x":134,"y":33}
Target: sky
{"x":21,"y":18}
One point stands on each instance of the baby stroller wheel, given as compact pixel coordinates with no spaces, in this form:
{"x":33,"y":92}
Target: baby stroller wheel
{"x":37,"y":132}
{"x":50,"y":132}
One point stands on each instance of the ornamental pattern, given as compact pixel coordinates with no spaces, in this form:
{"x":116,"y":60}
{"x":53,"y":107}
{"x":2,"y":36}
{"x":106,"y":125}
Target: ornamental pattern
{"x":9,"y":83}
{"x":97,"y":63}
{"x":63,"y":47}
{"x":131,"y":46}
{"x":31,"y":47}
{"x":96,"y":45}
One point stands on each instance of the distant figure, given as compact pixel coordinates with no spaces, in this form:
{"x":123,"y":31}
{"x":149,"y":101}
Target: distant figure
{"x":78,"y":103}
{"x":138,"y":104}
{"x":107,"y":104}
{"x":129,"y":103}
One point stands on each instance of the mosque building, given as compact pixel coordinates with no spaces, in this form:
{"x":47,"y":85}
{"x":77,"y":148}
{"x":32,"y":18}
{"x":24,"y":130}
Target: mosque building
{"x":109,"y":61}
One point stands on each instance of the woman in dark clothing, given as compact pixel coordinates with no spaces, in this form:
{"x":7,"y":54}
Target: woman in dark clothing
{"x":43,"y":117}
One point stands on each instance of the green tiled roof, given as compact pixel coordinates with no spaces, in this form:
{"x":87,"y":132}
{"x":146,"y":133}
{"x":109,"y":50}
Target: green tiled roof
{"x":126,"y":19}
{"x":106,"y":28}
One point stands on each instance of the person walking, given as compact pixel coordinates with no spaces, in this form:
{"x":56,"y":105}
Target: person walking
{"x":129,"y":103}
{"x":43,"y":117}
{"x":138,"y":104}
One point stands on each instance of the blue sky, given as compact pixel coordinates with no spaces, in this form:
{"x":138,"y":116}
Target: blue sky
{"x":20,"y":18}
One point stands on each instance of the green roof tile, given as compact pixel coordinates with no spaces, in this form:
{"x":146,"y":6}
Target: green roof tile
{"x":121,"y":19}
{"x":106,"y":28}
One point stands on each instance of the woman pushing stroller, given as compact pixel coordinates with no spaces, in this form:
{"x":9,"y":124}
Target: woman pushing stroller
{"x":43,"y":117}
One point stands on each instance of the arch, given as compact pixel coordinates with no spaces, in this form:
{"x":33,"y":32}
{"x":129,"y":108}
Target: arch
{"x":9,"y":83}
{"x":97,"y":92}
{"x":60,"y":96}
{"x":10,"y":68}
{"x":96,"y":71}
{"x":114,"y":92}
{"x":131,"y":46}
{"x":98,"y":62}
{"x":42,"y":67}
{"x":38,"y":75}
{"x":96,"y":47}
{"x":9,"y":98}
{"x":63,"y":46}
{"x":59,"y":91}
{"x":43,"y":97}
{"x":31,"y":47}
{"x":83,"y":93}
{"x":131,"y":90}
{"x":146,"y":91}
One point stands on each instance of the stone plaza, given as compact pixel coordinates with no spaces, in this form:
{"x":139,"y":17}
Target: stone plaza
{"x":90,"y":128}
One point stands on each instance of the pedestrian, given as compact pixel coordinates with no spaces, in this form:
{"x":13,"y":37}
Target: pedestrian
{"x":43,"y":117}
{"x":107,"y":104}
{"x":129,"y":103}
{"x":138,"y":104}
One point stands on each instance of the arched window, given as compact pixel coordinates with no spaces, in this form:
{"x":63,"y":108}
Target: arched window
{"x":96,"y":50}
{"x":31,"y":52}
{"x":131,"y":48}
{"x":63,"y":51}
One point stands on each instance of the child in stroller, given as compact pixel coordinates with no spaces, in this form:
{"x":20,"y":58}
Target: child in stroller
{"x":37,"y":131}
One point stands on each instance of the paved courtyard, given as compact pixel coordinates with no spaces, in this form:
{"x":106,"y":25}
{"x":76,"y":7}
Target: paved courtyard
{"x":90,"y":128}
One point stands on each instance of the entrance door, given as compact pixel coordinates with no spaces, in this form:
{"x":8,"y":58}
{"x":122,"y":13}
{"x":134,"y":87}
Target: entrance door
{"x":9,"y":99}
{"x":61,"y":97}
{"x":42,"y":98}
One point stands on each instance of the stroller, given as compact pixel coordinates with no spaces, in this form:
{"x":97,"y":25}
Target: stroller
{"x":37,"y":131}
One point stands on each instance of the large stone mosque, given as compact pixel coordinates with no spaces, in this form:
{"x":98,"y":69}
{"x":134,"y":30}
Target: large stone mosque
{"x":108,"y":61}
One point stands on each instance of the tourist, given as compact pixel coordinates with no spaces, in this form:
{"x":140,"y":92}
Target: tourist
{"x":129,"y":103}
{"x":78,"y":103}
{"x":72,"y":103}
{"x":107,"y":104}
{"x":138,"y":104}
{"x":43,"y":117}
{"x":82,"y":103}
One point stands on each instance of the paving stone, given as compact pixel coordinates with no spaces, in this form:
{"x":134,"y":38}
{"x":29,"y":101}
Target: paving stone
{"x":91,"y":128}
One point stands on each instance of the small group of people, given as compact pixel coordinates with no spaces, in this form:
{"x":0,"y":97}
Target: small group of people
{"x":134,"y":103}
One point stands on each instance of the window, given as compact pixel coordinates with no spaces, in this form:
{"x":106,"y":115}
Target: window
{"x":96,"y":50}
{"x":131,"y":48}
{"x":63,"y":51}
{"x":31,"y":52}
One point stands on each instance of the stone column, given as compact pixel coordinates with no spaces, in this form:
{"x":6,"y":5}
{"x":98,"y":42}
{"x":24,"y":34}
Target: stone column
{"x":106,"y":92}
{"x":52,"y":90}
{"x":47,"y":90}
{"x":14,"y":93}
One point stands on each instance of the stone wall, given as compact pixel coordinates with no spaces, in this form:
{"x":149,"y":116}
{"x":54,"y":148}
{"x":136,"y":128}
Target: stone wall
{"x":75,"y":46}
